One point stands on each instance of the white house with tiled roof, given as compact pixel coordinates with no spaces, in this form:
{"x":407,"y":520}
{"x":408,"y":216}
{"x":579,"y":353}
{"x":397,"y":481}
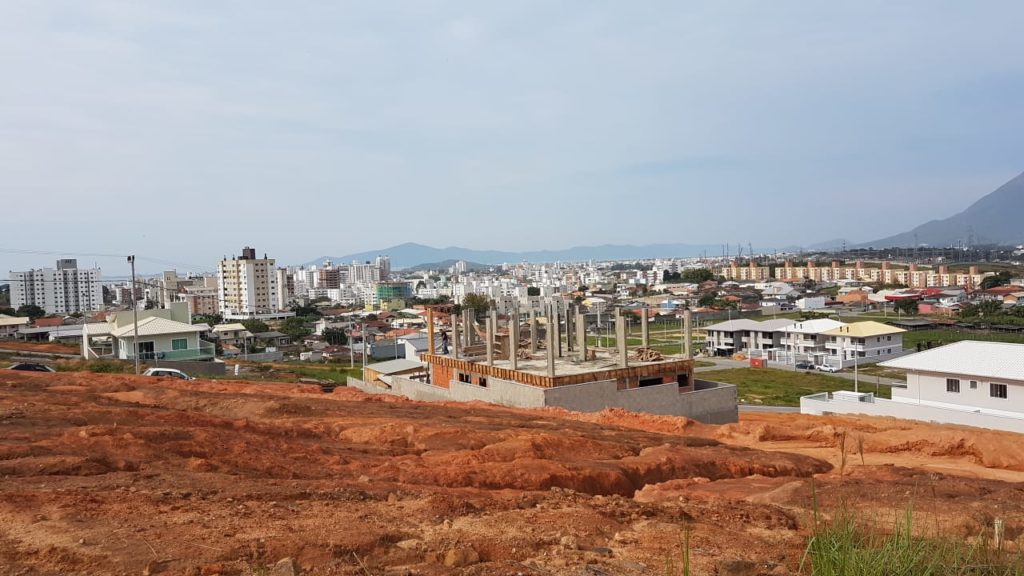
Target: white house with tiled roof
{"x":969,"y":383}
{"x":863,"y":343}
{"x":162,"y":334}
{"x":970,"y":375}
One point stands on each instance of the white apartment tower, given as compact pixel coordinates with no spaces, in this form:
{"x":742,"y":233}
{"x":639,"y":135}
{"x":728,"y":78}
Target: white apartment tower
{"x":64,"y":290}
{"x":247,"y":287}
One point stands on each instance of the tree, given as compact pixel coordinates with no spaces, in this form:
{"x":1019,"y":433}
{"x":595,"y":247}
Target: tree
{"x":982,"y":308}
{"x":306,"y":310}
{"x":1001,"y":279}
{"x":255,"y":326}
{"x":478,"y":302}
{"x":335,"y":336}
{"x":150,"y":304}
{"x":7,"y":311}
{"x":295,"y":328}
{"x":582,"y":288}
{"x":532,"y":291}
{"x":31,"y":310}
{"x":211,"y":319}
{"x":697,"y":275}
{"x":906,"y":306}
{"x":707,"y":299}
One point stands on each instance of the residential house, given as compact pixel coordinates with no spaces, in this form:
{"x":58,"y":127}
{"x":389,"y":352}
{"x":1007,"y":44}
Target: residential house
{"x":163,"y":334}
{"x":968,"y":383}
{"x":745,"y":335}
{"x":233,"y":334}
{"x":805,"y":340}
{"x":272,"y":339}
{"x":811,"y":303}
{"x":9,"y":325}
{"x":863,"y":343}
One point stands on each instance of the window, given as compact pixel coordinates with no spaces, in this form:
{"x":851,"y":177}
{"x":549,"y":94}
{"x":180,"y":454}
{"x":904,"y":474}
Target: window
{"x":974,"y":384}
{"x":179,"y":344}
{"x":997,"y":390}
{"x":952,"y":385}
{"x":464,"y":378}
{"x":482,"y":381}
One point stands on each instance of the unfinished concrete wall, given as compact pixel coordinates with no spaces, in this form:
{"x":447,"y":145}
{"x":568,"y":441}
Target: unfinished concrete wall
{"x":416,"y":390}
{"x":503,"y":392}
{"x":714,"y":404}
{"x":192,"y":367}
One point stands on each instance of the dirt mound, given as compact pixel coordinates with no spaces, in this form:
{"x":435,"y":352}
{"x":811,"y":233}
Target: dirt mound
{"x":880,"y":436}
{"x":117,"y":474}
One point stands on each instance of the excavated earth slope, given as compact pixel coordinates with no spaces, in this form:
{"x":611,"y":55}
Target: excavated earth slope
{"x":111,"y":474}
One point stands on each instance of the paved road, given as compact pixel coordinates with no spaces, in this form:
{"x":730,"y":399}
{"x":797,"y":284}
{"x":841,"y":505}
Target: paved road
{"x":864,"y":380}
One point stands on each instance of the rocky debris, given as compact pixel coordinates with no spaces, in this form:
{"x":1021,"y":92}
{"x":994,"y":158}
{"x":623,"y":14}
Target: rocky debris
{"x":461,"y":557}
{"x":736,"y":567}
{"x":647,"y":355}
{"x":285,"y":567}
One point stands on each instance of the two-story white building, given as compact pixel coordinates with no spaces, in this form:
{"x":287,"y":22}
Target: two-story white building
{"x":745,"y":335}
{"x":863,"y":343}
{"x":804,"y":341}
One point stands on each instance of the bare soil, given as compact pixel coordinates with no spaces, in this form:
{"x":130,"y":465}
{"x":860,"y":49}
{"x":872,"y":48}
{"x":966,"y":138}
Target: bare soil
{"x":116,"y":474}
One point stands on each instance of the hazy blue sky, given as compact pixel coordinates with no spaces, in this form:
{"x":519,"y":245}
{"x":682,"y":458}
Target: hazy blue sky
{"x":183,"y":130}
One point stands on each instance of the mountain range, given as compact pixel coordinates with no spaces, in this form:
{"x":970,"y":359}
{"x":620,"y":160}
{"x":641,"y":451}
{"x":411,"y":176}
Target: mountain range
{"x":411,"y":254}
{"x":997,"y":218}
{"x":994,"y":219}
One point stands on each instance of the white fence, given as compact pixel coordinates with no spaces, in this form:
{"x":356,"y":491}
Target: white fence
{"x":867,"y":404}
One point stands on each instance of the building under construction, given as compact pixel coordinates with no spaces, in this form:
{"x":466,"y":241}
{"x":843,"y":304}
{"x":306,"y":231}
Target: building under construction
{"x":542,"y":358}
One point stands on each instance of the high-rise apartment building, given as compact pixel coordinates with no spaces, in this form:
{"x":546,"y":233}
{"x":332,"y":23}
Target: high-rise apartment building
{"x":64,"y":290}
{"x":247,"y":287}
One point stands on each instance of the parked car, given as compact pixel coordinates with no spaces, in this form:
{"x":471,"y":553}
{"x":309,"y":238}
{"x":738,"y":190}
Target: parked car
{"x":31,"y":367}
{"x":804,"y":366}
{"x":827,"y":368}
{"x":167,"y":372}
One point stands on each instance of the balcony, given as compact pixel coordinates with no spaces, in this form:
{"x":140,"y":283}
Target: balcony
{"x":206,"y":351}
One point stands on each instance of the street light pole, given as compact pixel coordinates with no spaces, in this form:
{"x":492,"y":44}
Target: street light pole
{"x":135,"y":317}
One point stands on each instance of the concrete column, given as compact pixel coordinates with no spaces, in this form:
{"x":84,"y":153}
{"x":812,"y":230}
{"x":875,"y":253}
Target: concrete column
{"x":581,"y":335}
{"x":489,"y":329}
{"x":513,"y":338}
{"x":558,"y":328}
{"x":568,"y":330}
{"x":533,"y":330}
{"x":493,"y":315}
{"x":620,"y":339}
{"x":467,"y":325}
{"x":688,"y":334}
{"x":430,"y":332}
{"x":550,"y":348}
{"x":645,"y":337}
{"x":455,"y":336}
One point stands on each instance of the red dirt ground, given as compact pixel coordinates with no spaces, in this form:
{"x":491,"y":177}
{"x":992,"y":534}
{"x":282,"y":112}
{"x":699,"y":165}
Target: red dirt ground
{"x":52,"y":347}
{"x":113,"y":474}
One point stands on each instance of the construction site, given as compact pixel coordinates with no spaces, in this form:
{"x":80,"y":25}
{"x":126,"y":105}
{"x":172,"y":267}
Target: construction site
{"x":124,"y":475}
{"x":543,"y":359}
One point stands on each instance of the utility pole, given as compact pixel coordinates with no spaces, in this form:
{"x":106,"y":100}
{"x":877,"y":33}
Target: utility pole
{"x":135,"y":317}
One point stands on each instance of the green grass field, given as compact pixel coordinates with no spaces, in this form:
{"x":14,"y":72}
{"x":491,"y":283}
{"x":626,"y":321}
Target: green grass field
{"x":772,"y":387}
{"x":939,"y":337}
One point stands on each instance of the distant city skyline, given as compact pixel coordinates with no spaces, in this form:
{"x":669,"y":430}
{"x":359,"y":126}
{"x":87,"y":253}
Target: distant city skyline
{"x":186,"y":131}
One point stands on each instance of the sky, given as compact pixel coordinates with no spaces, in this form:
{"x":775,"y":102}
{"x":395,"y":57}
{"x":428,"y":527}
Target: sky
{"x":182,"y":131}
